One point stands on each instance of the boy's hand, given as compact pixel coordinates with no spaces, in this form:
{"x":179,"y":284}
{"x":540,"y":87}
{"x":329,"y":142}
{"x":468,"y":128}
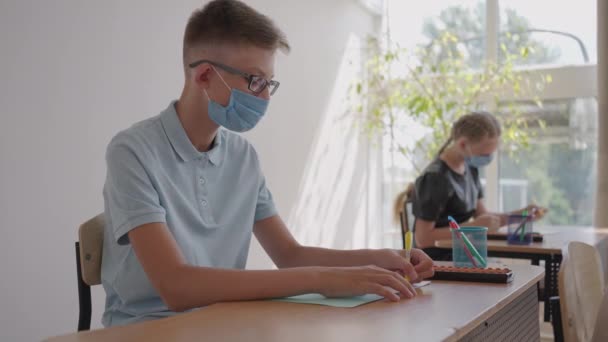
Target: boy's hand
{"x":423,"y":264}
{"x":360,"y":280}
{"x":419,"y":267}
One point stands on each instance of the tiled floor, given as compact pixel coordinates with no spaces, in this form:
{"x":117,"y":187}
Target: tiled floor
{"x":546,"y":329}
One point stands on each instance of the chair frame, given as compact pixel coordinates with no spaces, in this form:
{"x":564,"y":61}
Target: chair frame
{"x":84,"y":295}
{"x":408,"y":201}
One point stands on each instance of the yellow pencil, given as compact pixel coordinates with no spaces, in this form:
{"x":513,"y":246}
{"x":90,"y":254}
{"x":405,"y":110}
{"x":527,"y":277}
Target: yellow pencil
{"x":409,"y":239}
{"x":408,"y":245}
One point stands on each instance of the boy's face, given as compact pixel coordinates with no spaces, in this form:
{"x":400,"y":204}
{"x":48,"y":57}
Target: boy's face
{"x":218,"y":82}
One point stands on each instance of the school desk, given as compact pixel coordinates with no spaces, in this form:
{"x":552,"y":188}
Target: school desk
{"x":442,"y":311}
{"x":549,"y":250}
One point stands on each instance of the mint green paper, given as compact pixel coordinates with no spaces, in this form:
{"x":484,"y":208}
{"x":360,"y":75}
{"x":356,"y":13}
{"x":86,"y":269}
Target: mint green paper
{"x":345,"y":302}
{"x":317,"y":299}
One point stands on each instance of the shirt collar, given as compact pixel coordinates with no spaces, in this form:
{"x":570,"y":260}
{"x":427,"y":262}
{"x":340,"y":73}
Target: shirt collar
{"x":181,"y":143}
{"x":216,"y":153}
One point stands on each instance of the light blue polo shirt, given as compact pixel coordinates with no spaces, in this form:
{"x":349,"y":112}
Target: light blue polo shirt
{"x":209,"y":201}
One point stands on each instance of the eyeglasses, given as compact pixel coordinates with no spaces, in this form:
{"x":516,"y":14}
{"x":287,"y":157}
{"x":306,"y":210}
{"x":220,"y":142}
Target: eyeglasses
{"x":257,"y":83}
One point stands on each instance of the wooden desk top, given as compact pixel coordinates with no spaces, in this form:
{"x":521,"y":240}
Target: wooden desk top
{"x":554,"y":239}
{"x":441,"y":311}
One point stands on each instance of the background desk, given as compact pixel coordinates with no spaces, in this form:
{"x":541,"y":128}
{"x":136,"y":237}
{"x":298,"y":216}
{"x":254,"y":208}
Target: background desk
{"x":443,"y":311}
{"x":549,"y":250}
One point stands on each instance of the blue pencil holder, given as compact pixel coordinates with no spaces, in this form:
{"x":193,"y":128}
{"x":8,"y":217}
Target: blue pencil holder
{"x":520,"y":229}
{"x":479,"y":239}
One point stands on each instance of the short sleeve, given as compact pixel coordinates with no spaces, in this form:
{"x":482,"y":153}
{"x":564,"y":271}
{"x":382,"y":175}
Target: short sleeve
{"x":131,"y":199}
{"x":431,"y":197}
{"x":265,"y":207}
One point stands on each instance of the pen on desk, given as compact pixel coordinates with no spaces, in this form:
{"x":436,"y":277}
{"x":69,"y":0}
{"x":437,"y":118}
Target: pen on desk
{"x":521,"y":228}
{"x":522,"y":233}
{"x":455,"y":227}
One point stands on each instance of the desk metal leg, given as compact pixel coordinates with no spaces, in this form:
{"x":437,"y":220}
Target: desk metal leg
{"x":552,"y":264}
{"x":536,"y":262}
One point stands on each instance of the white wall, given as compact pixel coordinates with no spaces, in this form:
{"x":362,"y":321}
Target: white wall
{"x":73,"y":73}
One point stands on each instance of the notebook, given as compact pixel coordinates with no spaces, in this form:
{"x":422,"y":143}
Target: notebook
{"x":343,"y":302}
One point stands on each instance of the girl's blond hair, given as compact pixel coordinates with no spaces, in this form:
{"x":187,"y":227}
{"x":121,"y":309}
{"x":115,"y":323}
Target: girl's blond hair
{"x":475,"y":126}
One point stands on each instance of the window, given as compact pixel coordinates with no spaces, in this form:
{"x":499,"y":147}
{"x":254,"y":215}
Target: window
{"x":558,"y":170}
{"x":567,"y":36}
{"x":565,"y":41}
{"x":564,"y":47}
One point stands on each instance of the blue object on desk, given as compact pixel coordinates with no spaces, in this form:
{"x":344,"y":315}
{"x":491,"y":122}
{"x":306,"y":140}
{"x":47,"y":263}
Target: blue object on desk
{"x":478,"y":236}
{"x":344,"y":302}
{"x":341,"y":302}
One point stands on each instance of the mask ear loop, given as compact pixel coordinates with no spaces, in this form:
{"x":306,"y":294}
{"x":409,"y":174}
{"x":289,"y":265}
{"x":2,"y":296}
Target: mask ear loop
{"x":221,"y":78}
{"x":223,"y":81}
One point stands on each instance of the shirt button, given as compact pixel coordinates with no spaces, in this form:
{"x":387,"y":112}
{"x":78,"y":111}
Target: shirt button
{"x":204,"y":203}
{"x":202,"y":180}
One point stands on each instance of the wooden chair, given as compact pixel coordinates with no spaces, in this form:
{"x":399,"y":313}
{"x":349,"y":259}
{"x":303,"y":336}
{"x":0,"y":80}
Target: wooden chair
{"x":405,"y":202}
{"x":581,"y":289}
{"x":88,"y":265}
{"x":600,"y":331}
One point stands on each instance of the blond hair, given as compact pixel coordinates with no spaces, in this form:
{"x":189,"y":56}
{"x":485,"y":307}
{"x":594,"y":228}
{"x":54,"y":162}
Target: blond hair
{"x":474,"y":126}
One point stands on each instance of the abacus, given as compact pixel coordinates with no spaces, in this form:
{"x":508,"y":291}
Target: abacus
{"x":483,"y":275}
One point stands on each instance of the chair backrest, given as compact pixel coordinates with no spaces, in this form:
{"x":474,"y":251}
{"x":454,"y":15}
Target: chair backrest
{"x":90,"y":235}
{"x":408,"y":202}
{"x":581,"y":288}
{"x":600,"y":331}
{"x":407,"y":208}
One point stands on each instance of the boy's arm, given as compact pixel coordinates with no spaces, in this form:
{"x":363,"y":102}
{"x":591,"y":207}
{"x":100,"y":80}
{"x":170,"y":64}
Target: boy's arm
{"x":182,"y":286}
{"x":285,"y":251}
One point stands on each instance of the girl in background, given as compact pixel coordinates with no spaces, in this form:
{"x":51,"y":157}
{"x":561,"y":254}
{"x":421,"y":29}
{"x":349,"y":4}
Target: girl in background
{"x":450,"y":186}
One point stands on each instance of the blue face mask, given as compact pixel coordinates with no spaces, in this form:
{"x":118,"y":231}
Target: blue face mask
{"x":241,"y":114}
{"x":478,"y":161}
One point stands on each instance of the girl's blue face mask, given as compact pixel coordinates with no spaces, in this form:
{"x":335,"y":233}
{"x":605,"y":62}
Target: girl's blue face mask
{"x":241,"y":114}
{"x":478,"y":161}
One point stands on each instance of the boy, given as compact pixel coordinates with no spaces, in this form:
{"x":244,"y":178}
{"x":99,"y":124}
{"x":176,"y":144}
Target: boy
{"x":184,"y":194}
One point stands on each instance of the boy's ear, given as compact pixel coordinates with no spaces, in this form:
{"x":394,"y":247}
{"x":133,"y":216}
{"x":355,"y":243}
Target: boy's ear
{"x":201,"y":75}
